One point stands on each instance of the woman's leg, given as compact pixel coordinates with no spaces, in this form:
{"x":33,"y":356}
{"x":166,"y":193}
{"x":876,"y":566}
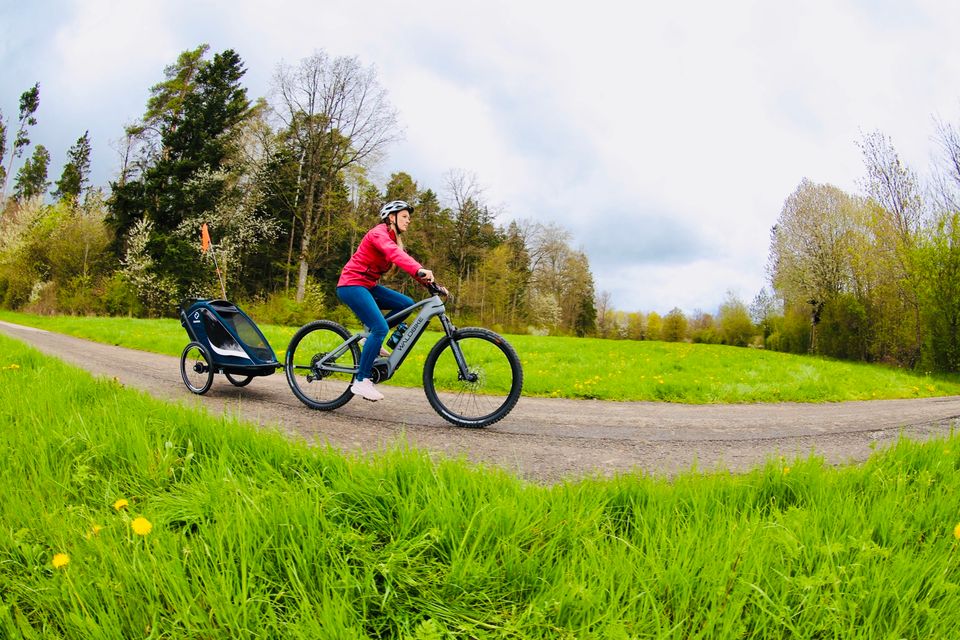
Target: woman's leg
{"x":391,"y":300}
{"x":361,"y":302}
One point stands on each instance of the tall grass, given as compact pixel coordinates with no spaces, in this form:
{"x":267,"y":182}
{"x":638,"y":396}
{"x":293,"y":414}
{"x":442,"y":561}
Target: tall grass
{"x":594,"y":368}
{"x":254,"y":536}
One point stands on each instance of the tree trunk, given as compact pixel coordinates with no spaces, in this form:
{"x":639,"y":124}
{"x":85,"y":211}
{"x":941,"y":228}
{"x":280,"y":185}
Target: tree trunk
{"x":293,"y":222}
{"x":305,"y":242}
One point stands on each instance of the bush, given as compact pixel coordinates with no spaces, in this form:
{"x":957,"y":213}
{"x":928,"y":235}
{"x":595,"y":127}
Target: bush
{"x":43,"y":299}
{"x":706,"y":336}
{"x":120,"y":297}
{"x":278,"y":308}
{"x":842,"y":330}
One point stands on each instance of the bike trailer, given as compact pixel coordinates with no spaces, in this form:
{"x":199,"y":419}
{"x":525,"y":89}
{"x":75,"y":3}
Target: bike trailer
{"x":229,"y":342}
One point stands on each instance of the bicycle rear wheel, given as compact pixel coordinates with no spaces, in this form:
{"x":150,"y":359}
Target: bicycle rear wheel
{"x":316,"y":385}
{"x":491,"y":388}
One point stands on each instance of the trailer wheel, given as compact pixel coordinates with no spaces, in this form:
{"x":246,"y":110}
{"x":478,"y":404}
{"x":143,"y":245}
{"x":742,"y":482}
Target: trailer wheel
{"x":238,"y":381}
{"x":195,"y":368}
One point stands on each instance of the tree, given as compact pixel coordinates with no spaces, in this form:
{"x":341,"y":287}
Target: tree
{"x":654,"y":326}
{"x":76,"y":172}
{"x":32,"y":180}
{"x":703,"y":328}
{"x":895,"y":188}
{"x":29,"y":103}
{"x":733,"y":320}
{"x":338,"y":116}
{"x":564,"y":274}
{"x":473,"y":231}
{"x":428,"y":238}
{"x":142,"y":146}
{"x":674,"y":326}
{"x":636,"y":326}
{"x":401,"y":187}
{"x":579,"y":312}
{"x":938,"y":256}
{"x":891,"y":183}
{"x":606,"y":314}
{"x":197,"y":119}
{"x":811,"y":245}
{"x":519,"y":282}
{"x":3,"y":154}
{"x":764,"y":309}
{"x":548,"y":251}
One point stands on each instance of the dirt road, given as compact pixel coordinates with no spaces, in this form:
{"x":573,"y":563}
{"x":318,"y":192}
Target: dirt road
{"x":544,"y":440}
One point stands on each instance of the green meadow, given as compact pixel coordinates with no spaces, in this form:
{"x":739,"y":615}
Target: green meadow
{"x":593,"y":368}
{"x":124,"y":517}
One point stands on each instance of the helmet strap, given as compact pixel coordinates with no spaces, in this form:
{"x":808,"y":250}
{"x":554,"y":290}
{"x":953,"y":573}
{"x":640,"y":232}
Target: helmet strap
{"x":392,"y":223}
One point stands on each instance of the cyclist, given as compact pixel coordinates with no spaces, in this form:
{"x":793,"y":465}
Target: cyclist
{"x":359,"y":287}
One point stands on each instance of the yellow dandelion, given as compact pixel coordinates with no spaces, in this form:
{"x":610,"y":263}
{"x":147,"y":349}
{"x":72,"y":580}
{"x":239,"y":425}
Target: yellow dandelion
{"x":141,"y":526}
{"x":60,"y":560}
{"x":786,"y":470}
{"x":95,"y":530}
{"x":121,"y":504}
{"x":956,"y":531}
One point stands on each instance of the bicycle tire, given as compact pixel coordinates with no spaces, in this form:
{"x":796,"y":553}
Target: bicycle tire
{"x":319,"y":390}
{"x":202,"y":379}
{"x":473,"y":403}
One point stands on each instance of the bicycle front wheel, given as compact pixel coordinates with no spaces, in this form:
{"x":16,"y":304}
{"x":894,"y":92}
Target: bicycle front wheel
{"x":323,"y":386}
{"x":491,"y":387}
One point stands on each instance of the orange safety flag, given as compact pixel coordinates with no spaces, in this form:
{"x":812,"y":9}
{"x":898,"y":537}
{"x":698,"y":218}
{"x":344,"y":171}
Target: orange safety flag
{"x":204,"y":237}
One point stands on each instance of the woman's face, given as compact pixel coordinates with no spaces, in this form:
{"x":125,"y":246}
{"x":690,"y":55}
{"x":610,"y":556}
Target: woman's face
{"x":403,"y":220}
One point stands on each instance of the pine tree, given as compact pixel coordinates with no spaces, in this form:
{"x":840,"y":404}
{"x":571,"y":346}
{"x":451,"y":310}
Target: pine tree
{"x":29,"y":103}
{"x":76,"y":172}
{"x":197,"y":114}
{"x":32,"y":178}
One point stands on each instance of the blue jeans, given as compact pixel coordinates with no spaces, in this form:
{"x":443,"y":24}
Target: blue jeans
{"x":367,"y":303}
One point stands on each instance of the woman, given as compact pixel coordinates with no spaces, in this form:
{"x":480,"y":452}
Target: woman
{"x":358,"y":287}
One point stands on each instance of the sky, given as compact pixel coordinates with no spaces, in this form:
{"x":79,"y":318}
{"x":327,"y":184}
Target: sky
{"x":665,"y":137}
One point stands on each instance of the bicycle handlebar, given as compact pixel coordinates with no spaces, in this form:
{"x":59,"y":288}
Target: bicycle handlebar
{"x":436,"y":289}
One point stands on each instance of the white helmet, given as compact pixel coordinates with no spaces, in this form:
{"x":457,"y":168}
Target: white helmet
{"x":394,"y":207}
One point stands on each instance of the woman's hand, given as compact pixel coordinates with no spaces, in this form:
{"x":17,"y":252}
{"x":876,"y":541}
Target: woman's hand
{"x":425,"y":274}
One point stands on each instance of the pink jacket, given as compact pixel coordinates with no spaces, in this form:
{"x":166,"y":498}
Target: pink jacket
{"x":377,"y":251}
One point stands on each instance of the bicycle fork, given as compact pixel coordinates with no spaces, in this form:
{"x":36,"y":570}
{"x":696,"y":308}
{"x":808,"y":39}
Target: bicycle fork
{"x":464,"y":373}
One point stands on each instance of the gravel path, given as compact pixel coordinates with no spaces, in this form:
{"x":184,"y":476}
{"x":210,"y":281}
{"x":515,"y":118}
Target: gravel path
{"x":543,"y":440}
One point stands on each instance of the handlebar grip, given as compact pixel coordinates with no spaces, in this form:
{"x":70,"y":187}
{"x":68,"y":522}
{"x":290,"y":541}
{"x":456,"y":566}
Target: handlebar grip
{"x":436,"y":289}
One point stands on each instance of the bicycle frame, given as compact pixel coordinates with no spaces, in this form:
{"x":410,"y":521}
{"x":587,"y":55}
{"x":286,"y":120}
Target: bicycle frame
{"x":429,"y":308}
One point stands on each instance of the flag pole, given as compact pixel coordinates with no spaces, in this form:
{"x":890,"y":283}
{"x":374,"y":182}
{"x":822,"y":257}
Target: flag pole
{"x":223,"y":287}
{"x":206,"y":245}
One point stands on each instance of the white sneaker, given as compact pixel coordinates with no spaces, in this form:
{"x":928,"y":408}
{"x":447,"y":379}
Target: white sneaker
{"x":383,"y":352}
{"x":365,"y":389}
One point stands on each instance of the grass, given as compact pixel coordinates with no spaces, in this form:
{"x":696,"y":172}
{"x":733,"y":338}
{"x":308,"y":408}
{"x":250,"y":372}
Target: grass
{"x":255,"y":536}
{"x":593,"y":368}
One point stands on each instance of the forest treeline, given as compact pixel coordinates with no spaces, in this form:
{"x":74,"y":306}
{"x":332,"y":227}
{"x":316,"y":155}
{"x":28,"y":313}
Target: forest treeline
{"x":283,"y":182}
{"x":871,"y":276}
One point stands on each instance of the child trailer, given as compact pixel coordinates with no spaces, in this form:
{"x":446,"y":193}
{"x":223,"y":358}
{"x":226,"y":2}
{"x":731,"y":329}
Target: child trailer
{"x":223,"y":340}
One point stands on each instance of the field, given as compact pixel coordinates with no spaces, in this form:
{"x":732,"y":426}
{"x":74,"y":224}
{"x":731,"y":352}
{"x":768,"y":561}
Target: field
{"x":125,"y":517}
{"x":593,"y":368}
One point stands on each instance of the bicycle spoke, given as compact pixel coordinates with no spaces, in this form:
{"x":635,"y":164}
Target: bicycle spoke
{"x":327,"y":385}
{"x":490,"y":388}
